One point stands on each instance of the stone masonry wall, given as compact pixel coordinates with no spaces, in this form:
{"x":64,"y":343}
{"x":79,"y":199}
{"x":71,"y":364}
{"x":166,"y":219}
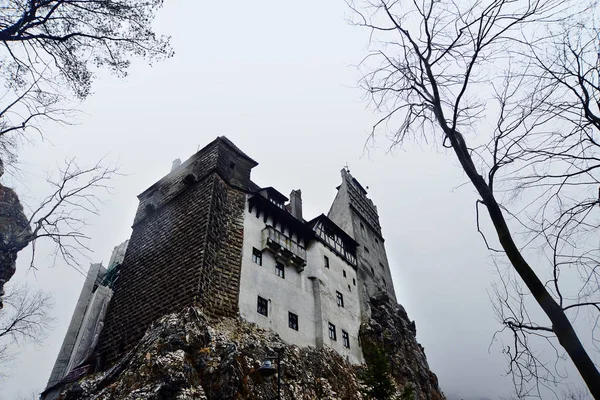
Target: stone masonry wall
{"x":161,"y":269}
{"x":184,"y":250}
{"x":220,"y":280}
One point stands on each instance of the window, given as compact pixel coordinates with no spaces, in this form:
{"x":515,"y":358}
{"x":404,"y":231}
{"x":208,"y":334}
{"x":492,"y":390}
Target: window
{"x":232,"y":165}
{"x":366,"y":250}
{"x":354,"y":281}
{"x":349,"y":288}
{"x":376,"y":241}
{"x":293,"y":321}
{"x":381,"y":265}
{"x":332,"y":334}
{"x":326,"y":261}
{"x":340,"y":299}
{"x":256,"y":256}
{"x":280,"y":270}
{"x":362,"y":227}
{"x":372,"y":270}
{"x":344,"y":273}
{"x":262,"y":306}
{"x":346,"y":339}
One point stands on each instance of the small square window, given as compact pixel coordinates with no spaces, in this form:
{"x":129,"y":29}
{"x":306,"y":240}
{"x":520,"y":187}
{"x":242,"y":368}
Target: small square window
{"x":256,"y":256}
{"x":366,"y":250}
{"x":354,"y":281}
{"x":340,"y":299}
{"x":293,"y":321}
{"x":344,"y":273}
{"x":326,"y":261}
{"x":280,"y":270}
{"x":262,"y":306}
{"x":346,"y":339}
{"x":332,"y":334}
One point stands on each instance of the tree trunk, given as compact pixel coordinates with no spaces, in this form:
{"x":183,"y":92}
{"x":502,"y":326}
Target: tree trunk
{"x":560,"y":323}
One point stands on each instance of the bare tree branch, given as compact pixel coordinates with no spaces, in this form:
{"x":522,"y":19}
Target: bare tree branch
{"x":25,"y":318}
{"x":512,"y":88}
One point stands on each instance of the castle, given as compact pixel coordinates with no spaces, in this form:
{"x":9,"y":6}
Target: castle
{"x":206,"y":235}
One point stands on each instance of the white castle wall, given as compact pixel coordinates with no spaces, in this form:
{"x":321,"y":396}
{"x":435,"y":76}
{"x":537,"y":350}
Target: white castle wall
{"x":310,"y":294}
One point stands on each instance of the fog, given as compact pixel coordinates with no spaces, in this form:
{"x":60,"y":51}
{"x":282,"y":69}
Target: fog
{"x":277,"y":78}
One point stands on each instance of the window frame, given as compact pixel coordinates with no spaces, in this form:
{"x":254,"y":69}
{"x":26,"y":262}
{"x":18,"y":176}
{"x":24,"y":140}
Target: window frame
{"x":340,"y":298}
{"x":256,"y":255}
{"x":326,"y":261}
{"x":332,"y":332}
{"x":291,"y":318}
{"x":280,"y":272}
{"x":345,"y":339}
{"x":265,"y":303}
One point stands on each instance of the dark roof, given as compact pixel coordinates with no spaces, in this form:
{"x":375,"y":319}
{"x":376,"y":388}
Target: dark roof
{"x":194,"y":156}
{"x":324,"y":219}
{"x":236,"y":149}
{"x":359,"y":185}
{"x":274,"y":194}
{"x":281,"y":214}
{"x":253,"y":187}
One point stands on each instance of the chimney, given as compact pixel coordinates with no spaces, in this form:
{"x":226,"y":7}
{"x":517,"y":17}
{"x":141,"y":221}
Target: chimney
{"x":176,"y":163}
{"x":296,"y":203}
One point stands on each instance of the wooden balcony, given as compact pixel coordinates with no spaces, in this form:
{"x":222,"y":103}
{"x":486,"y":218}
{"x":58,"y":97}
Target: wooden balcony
{"x":284,"y":248}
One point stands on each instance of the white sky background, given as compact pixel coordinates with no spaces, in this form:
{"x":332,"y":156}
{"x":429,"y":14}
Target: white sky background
{"x":276,"y":78}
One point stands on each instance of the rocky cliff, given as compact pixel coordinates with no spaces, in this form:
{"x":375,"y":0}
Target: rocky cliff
{"x":186,"y":355}
{"x":14,"y":229}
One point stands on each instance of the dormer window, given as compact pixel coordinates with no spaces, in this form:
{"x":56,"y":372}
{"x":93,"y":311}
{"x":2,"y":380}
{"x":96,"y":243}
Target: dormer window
{"x":280,"y":205}
{"x":274,"y":196}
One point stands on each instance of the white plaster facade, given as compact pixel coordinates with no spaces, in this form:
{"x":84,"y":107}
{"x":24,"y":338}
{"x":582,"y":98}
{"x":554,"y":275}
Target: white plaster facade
{"x":310,"y":293}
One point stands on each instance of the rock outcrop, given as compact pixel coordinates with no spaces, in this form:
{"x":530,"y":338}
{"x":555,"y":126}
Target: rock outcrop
{"x":14,"y":227}
{"x":390,"y":330}
{"x":186,"y":355}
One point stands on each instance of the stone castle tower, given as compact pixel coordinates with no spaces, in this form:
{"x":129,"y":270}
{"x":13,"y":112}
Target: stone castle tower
{"x":185,"y":248}
{"x":205,"y":235}
{"x":354,"y":212}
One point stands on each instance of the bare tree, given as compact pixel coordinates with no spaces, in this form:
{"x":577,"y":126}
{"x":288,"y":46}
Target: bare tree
{"x":60,"y":216}
{"x":50,"y":52}
{"x":25,"y":318}
{"x":487,"y":80}
{"x":51,"y":47}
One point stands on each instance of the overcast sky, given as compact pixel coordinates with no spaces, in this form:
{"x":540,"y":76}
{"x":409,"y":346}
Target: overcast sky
{"x":277,"y":79}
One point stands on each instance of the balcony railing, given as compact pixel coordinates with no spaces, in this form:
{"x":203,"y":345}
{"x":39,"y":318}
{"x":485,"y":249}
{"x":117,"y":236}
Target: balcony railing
{"x":283,"y":247}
